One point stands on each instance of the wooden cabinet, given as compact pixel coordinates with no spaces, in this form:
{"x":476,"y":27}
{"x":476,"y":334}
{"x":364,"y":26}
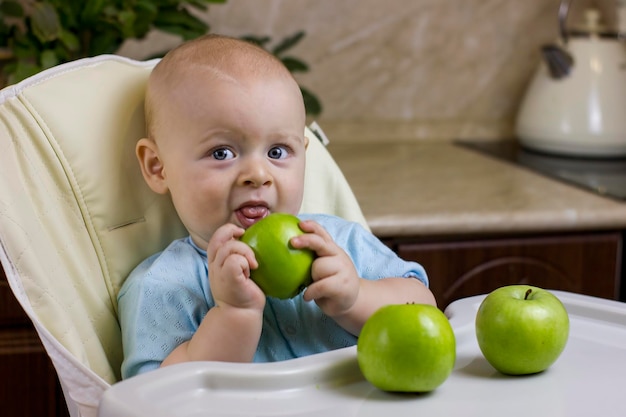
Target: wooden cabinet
{"x":28,"y":382}
{"x":581,"y":263}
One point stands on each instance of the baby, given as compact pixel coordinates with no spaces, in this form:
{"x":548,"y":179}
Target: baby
{"x":225,"y":139}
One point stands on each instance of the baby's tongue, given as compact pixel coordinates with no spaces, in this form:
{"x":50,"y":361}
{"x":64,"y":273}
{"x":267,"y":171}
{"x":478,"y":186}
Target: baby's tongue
{"x":251,"y":214}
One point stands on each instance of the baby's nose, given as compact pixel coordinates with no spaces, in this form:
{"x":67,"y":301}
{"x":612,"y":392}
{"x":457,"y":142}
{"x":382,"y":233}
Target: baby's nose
{"x":256,"y":174}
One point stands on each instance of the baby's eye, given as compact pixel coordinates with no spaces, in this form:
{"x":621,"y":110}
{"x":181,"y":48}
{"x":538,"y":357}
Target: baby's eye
{"x":277,"y":152}
{"x":222,"y":154}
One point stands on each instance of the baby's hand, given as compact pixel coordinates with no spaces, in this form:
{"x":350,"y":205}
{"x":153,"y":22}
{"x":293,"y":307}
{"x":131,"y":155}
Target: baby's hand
{"x":230,"y":261}
{"x":335,"y":284}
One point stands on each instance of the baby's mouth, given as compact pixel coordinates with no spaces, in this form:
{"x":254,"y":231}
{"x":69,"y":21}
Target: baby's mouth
{"x":248,"y":215}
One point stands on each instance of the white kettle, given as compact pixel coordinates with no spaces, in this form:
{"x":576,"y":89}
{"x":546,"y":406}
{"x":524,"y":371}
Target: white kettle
{"x":576,"y":102}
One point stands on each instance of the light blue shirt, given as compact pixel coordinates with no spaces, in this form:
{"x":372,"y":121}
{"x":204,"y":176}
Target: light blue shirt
{"x":165,"y":298}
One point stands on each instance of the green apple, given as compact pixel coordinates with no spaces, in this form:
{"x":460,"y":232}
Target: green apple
{"x":406,"y":348}
{"x":283,"y":271}
{"x":521,"y":329}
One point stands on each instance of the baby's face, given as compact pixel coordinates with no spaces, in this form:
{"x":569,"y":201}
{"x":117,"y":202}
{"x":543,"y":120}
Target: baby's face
{"x":233,"y":151}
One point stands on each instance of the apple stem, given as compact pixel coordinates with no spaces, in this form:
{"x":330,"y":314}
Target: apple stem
{"x":528,"y":291}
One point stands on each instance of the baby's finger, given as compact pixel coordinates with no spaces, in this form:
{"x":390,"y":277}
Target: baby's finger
{"x":316,"y":238}
{"x":310,"y":226}
{"x":226,"y":233}
{"x":235,"y":248}
{"x":236,"y":265}
{"x":324,"y":288}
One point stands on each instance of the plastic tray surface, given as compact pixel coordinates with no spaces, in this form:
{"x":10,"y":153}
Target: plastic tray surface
{"x":589,"y":379}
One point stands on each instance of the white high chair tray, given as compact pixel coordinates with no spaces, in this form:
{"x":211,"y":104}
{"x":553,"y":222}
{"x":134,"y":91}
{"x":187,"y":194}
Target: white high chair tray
{"x":588,"y":379}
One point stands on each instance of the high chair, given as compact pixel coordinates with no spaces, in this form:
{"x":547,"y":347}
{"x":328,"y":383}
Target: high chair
{"x":76,"y":215}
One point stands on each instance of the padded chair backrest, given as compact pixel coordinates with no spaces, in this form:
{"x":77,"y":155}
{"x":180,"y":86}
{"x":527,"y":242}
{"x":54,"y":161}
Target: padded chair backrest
{"x":76,"y":215}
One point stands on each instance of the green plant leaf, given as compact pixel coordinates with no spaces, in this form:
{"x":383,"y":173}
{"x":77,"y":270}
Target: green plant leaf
{"x":185,"y":34}
{"x":22,"y":70}
{"x":92,"y":9}
{"x":288,"y":43}
{"x":48,"y":59}
{"x":312,"y":104}
{"x":179,"y":18}
{"x":261,"y":41}
{"x":62,"y":30}
{"x":25,"y":48}
{"x":45,"y":22}
{"x":203,"y":4}
{"x":69,"y":12}
{"x":104,"y":43}
{"x":181,"y":23}
{"x":69,"y":40}
{"x":11,"y":9}
{"x":126,"y":19}
{"x":294,"y":64}
{"x":199,"y":4}
{"x":146,"y":11}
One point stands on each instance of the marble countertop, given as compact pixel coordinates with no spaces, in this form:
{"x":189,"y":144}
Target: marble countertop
{"x":434,"y":188}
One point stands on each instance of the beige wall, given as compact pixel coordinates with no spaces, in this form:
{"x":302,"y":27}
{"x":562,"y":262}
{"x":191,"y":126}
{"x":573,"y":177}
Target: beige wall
{"x":403,"y":69}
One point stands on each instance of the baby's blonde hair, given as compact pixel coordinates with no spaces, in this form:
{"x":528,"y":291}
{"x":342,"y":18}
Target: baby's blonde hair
{"x":222,"y":56}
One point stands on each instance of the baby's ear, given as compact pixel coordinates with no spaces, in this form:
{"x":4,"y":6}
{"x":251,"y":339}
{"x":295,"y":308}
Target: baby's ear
{"x":151,"y":165}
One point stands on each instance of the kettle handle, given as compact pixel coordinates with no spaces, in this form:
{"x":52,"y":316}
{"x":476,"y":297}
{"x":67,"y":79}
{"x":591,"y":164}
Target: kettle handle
{"x":563,"y":12}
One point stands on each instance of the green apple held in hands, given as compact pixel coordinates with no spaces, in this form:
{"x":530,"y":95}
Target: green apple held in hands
{"x":521,"y":329}
{"x":406,"y":348}
{"x":283,"y":271}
